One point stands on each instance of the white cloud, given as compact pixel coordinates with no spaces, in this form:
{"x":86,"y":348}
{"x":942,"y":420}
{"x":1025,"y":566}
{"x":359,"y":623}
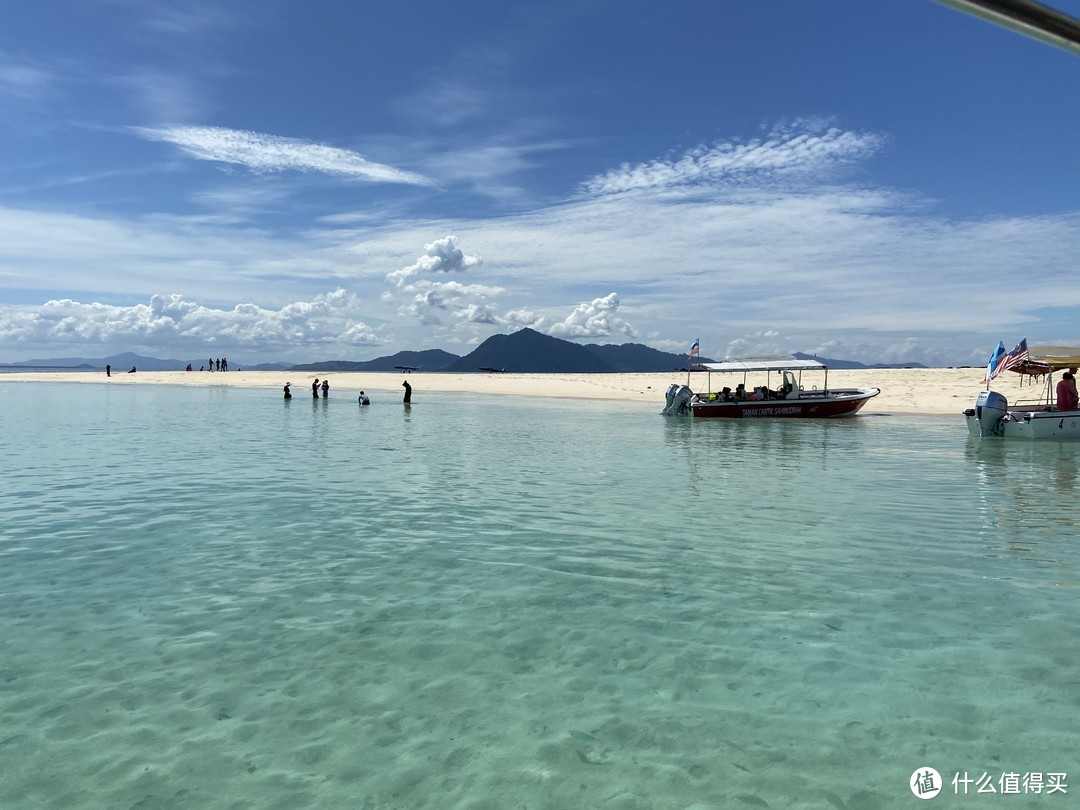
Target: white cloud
{"x":172,"y":320}
{"x":270,"y":153}
{"x":441,"y":256}
{"x":798,"y":149}
{"x":596,"y":318}
{"x":162,"y":96}
{"x":465,"y":302}
{"x":521,"y":317}
{"x":444,"y":103}
{"x":758,"y":264}
{"x":478,"y":313}
{"x":21,"y":79}
{"x":191,"y":20}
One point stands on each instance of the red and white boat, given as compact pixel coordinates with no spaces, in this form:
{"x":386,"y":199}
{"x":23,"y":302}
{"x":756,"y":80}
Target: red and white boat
{"x":790,"y":400}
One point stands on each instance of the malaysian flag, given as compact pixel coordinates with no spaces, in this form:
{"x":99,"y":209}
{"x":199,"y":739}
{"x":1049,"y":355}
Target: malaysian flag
{"x":1015,"y":357}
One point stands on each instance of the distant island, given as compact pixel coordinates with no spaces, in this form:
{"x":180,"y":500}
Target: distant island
{"x":526,"y":351}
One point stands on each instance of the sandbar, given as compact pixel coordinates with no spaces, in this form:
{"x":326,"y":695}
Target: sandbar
{"x":932,"y":391}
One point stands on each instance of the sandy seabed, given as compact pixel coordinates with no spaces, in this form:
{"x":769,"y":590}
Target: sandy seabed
{"x":934,"y":391}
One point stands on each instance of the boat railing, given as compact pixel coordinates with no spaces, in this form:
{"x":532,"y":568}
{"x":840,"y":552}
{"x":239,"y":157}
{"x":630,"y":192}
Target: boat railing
{"x":1025,"y":405}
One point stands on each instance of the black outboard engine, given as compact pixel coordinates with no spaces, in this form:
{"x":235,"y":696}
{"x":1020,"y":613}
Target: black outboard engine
{"x":678,"y":400}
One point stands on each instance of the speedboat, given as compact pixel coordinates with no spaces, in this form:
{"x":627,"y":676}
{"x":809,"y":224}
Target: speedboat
{"x":1034,"y":418}
{"x":992,"y":416}
{"x":791,"y":400}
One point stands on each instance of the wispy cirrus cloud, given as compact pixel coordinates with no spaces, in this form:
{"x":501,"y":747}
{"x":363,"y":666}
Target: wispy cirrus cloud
{"x":22,"y":79}
{"x":163,"y":96}
{"x":272,"y":153}
{"x":445,"y":103}
{"x":802,"y":148}
{"x":191,"y":19}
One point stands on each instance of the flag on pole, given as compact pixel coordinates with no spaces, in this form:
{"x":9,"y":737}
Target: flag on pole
{"x":1015,"y":357}
{"x":993,"y":367}
{"x":695,"y":349}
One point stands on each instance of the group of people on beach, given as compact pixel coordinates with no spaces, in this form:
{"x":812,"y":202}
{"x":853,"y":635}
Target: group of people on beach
{"x":363,"y":399}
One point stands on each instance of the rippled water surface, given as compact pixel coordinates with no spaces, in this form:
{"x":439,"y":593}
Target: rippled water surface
{"x":212,"y":598}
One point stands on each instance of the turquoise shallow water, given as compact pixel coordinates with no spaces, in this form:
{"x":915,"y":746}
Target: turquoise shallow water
{"x":211,"y":598}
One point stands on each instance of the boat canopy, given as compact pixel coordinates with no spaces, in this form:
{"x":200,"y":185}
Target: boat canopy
{"x":1057,"y":356}
{"x":764,"y":364}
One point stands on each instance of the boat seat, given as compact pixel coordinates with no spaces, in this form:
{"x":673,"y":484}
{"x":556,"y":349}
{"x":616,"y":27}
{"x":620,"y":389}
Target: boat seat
{"x":791,"y":387}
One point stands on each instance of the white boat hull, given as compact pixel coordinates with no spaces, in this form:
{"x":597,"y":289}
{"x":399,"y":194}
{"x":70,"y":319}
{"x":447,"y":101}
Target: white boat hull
{"x":991,"y":416}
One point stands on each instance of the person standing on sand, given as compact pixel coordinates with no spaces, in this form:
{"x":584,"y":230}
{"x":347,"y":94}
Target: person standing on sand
{"x":315,"y":388}
{"x":408,"y":392}
{"x":108,"y":370}
{"x":210,"y":362}
{"x":325,"y":389}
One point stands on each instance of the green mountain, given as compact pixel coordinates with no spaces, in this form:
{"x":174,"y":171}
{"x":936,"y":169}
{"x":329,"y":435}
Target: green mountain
{"x":853,"y":363}
{"x":427,"y":360}
{"x":632,"y":357}
{"x":530,"y":352}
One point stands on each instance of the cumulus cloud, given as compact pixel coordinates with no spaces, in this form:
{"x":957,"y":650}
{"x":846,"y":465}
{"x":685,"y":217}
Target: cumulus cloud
{"x":467,"y":303}
{"x":432,"y":300}
{"x":804,"y":147}
{"x":522,"y":317}
{"x":270,"y":153}
{"x":596,"y":318}
{"x":173,"y":320}
{"x":441,"y":256}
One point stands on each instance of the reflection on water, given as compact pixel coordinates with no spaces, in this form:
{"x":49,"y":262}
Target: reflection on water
{"x":1027,"y":491}
{"x":1038,"y":464}
{"x":883,"y":477}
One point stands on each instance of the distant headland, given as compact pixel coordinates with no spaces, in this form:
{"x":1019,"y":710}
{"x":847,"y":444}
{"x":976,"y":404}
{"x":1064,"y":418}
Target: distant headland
{"x":525,"y":351}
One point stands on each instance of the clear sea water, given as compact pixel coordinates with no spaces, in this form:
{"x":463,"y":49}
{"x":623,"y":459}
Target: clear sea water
{"x":211,"y":598}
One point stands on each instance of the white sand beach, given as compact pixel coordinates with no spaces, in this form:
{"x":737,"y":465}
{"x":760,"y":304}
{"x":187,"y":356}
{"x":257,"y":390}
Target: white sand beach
{"x":933,"y":391}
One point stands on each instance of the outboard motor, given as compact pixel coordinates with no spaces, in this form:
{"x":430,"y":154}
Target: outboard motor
{"x":678,"y":400}
{"x":990,"y":408}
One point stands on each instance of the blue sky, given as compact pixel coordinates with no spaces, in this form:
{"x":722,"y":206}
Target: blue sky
{"x":883,"y":181}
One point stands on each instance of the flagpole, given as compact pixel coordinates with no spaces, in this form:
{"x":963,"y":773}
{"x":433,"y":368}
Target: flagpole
{"x":690,"y":360}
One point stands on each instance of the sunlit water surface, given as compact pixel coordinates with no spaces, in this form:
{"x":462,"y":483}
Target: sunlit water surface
{"x":213,"y":598}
